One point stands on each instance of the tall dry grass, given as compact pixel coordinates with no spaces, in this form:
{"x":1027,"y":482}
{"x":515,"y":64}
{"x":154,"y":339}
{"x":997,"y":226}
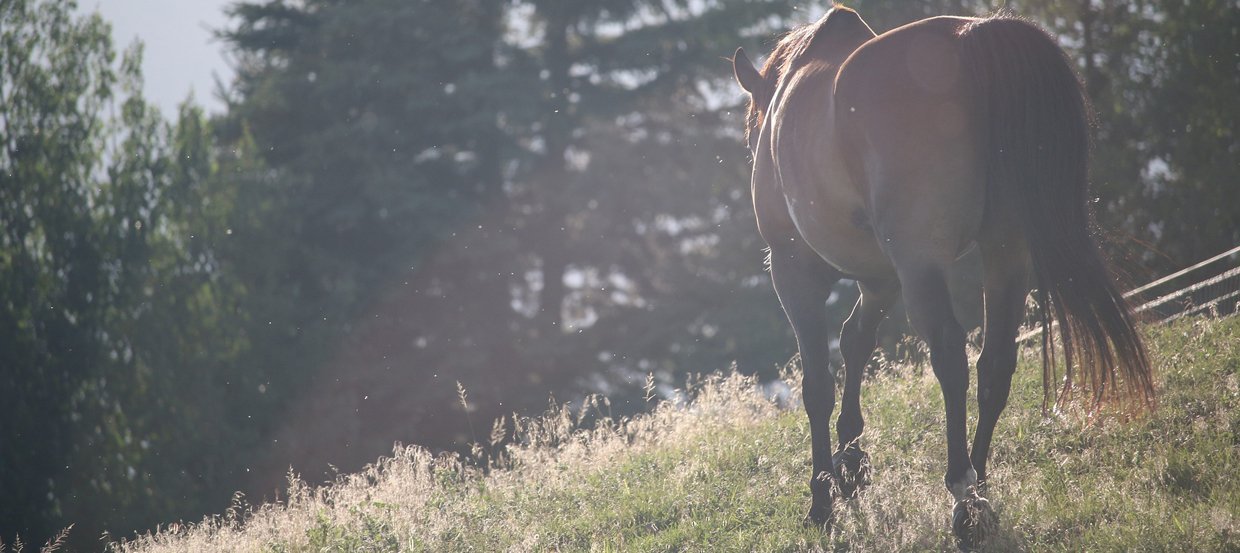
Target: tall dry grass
{"x":722,"y":467}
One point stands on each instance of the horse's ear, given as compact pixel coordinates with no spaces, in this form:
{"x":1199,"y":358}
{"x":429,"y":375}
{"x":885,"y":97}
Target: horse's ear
{"x":746,"y":75}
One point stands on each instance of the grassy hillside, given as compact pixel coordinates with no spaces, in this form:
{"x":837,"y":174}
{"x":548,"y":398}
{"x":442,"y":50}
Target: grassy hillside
{"x":726,"y":471}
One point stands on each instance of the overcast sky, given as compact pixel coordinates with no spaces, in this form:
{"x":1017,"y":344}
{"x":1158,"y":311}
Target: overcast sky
{"x":180,"y":53}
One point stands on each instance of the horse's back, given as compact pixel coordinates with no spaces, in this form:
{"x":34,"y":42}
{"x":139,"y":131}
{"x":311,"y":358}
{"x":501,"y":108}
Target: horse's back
{"x":906,"y":104}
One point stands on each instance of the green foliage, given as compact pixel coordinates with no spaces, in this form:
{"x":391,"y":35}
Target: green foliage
{"x":113,"y":327}
{"x":58,"y":287}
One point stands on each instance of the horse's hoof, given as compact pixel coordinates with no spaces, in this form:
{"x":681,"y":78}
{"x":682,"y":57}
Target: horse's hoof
{"x":853,"y":467}
{"x":820,"y":507}
{"x":819,"y":517}
{"x":972,"y":521}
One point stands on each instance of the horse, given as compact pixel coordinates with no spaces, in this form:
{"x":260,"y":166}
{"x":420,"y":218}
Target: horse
{"x":883,"y":159}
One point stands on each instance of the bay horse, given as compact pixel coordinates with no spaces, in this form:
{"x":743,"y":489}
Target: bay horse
{"x":883,"y":159}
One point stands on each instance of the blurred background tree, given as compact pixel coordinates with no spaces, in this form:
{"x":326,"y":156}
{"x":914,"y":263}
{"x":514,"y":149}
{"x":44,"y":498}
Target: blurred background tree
{"x":116,"y":320}
{"x":529,"y":197}
{"x":1164,"y":78}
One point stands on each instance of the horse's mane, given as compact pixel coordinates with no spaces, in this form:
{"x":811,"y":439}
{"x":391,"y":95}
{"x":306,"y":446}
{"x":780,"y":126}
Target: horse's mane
{"x":788,"y":53}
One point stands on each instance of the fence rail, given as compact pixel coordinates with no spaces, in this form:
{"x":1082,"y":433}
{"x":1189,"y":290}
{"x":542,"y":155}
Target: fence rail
{"x":1217,"y":293}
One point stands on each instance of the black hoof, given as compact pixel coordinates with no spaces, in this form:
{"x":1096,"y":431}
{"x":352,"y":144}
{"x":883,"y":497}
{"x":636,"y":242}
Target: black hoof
{"x":853,"y":467}
{"x":820,"y":509}
{"x":819,"y":517}
{"x":972,"y":521}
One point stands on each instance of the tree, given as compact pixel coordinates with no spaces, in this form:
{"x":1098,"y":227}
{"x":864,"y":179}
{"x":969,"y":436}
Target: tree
{"x":114,"y":319}
{"x":1162,"y":78}
{"x":540,"y":196}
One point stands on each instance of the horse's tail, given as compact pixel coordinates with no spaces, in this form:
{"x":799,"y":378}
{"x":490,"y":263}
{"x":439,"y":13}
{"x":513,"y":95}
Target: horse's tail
{"x":1037,"y":147}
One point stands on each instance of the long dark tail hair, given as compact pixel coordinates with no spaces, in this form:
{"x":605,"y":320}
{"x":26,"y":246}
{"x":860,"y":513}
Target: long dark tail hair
{"x":1037,"y":140}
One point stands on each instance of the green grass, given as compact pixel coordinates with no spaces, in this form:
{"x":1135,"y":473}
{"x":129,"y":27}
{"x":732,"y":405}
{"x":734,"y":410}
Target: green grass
{"x":727,"y":471}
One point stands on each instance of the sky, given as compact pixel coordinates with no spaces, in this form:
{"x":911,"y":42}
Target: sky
{"x":180,"y":55}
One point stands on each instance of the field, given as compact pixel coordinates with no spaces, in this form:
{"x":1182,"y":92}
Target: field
{"x":725,"y":470}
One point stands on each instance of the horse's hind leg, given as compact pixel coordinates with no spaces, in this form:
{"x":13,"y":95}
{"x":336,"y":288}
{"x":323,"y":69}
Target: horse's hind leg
{"x":803,"y":282}
{"x":929,"y":308}
{"x":1005,"y":265}
{"x":857,"y":342}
